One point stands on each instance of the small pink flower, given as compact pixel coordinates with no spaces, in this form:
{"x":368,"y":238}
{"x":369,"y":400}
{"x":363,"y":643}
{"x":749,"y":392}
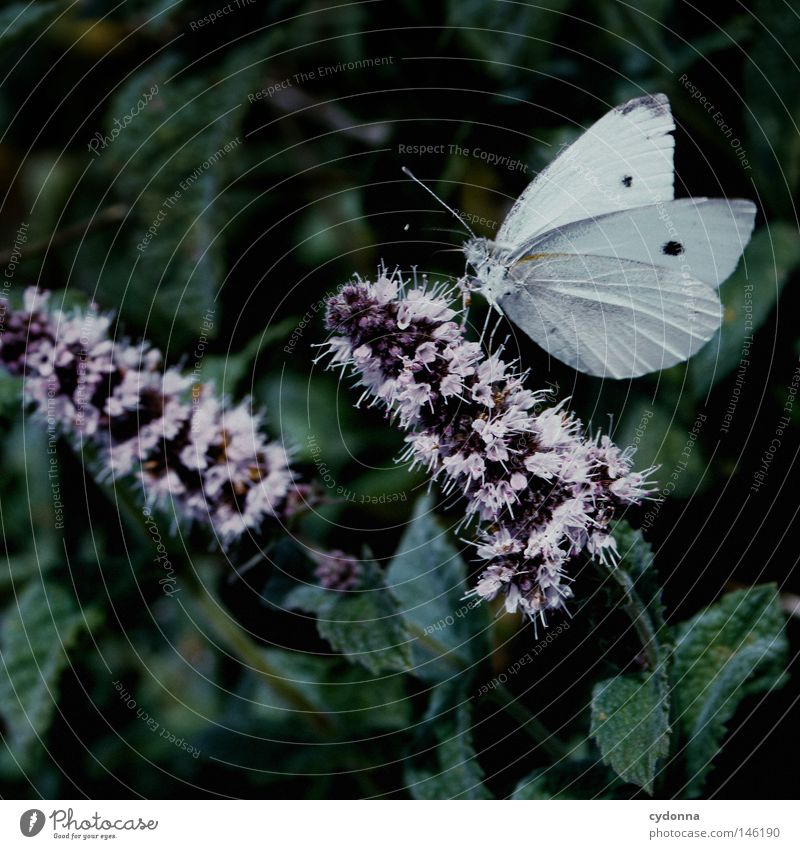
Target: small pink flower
{"x":475,"y":466}
{"x":482,"y":393}
{"x":426,"y":353}
{"x":543,"y":464}
{"x":518,"y":481}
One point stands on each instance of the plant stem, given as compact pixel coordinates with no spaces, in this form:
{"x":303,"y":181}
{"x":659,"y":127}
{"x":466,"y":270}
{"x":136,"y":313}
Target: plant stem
{"x":110,"y":215}
{"x":641,"y":619}
{"x":254,"y":657}
{"x":532,"y":726}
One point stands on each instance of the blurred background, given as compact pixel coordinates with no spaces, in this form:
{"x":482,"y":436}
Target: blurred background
{"x":210,"y":172}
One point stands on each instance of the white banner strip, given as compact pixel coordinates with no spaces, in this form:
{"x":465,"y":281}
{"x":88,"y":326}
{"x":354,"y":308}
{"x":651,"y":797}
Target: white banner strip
{"x":384,"y":825}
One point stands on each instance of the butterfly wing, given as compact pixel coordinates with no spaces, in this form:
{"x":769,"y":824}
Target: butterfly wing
{"x":622,"y":160}
{"x":698,"y":237}
{"x":611,"y":317}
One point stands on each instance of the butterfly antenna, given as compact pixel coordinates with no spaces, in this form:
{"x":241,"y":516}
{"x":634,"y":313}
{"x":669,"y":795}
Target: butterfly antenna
{"x":448,"y":208}
{"x":443,"y":230}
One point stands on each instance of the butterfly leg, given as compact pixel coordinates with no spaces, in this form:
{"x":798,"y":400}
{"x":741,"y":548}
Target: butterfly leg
{"x":466,"y":299}
{"x":494,"y":329}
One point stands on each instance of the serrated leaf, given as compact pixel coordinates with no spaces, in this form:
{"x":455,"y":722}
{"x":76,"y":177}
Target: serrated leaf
{"x":38,"y":631}
{"x":297,"y":690}
{"x":363,"y":624}
{"x":748,"y":298}
{"x":309,"y":598}
{"x":450,"y":769}
{"x":367,"y":629}
{"x":427,"y":577}
{"x":630,"y":724}
{"x":730,"y":650}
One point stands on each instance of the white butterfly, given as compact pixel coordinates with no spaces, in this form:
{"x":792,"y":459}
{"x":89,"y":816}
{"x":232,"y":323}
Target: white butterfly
{"x":599,"y":264}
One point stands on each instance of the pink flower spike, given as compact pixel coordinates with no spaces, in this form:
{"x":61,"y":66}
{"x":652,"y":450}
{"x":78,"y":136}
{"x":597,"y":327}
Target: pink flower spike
{"x":541,"y":491}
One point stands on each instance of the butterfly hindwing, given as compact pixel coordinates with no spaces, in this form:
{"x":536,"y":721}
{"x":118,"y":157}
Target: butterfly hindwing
{"x":611,"y":317}
{"x":700,"y":237}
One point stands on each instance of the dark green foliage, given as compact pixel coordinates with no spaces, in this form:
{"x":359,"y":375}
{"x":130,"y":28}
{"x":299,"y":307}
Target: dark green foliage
{"x":631,"y":713}
{"x":427,"y":577}
{"x":630,"y":723}
{"x":731,"y":650}
{"x":448,"y":768}
{"x":38,"y":632}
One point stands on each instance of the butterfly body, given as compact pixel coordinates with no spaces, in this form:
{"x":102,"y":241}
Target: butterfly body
{"x":491,"y":265}
{"x":600,"y":265}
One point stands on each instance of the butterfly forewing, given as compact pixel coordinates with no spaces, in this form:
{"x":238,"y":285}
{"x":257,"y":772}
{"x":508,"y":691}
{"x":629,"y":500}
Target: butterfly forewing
{"x":623,"y":160}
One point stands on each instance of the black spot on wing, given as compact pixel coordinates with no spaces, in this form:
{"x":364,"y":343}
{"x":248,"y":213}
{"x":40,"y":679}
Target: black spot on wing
{"x":627,"y":181}
{"x":672,"y":248}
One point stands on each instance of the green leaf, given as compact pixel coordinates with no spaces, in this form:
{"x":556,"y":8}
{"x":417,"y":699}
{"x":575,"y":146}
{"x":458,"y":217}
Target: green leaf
{"x":351,"y":700}
{"x":331,"y":221}
{"x":38,"y":631}
{"x":513,"y":33}
{"x":735,"y":30}
{"x":730,"y":650}
{"x":19,"y":19}
{"x":427,"y":577}
{"x":175,"y":156}
{"x":368,"y":630}
{"x":773,"y":103}
{"x":580,"y":779}
{"x":17,"y":569}
{"x":638,"y":561}
{"x":450,"y":769}
{"x":10,"y":393}
{"x":630,"y":723}
{"x":630,"y":713}
{"x":748,"y":299}
{"x":302,"y":410}
{"x":309,"y":598}
{"x":362,"y":623}
{"x":660,"y":431}
{"x":26,"y":454}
